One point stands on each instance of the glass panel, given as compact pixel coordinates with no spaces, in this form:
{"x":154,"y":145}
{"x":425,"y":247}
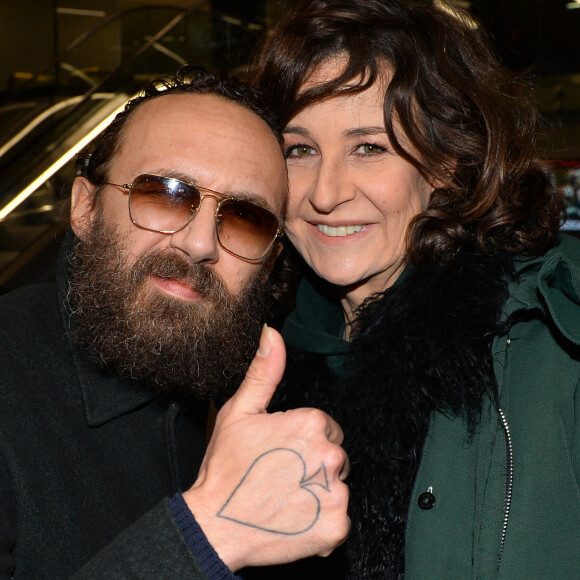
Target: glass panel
{"x":43,"y":120}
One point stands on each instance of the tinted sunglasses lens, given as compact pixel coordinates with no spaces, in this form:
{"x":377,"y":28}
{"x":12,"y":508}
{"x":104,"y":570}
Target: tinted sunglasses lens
{"x":162,"y":204}
{"x":246,"y":229}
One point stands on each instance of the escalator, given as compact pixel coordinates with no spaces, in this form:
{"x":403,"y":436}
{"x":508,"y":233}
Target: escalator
{"x":50,"y":115}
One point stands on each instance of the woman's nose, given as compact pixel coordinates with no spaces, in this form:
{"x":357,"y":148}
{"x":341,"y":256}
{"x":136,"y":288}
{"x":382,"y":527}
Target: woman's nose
{"x":198,"y":239}
{"x":331,"y":187}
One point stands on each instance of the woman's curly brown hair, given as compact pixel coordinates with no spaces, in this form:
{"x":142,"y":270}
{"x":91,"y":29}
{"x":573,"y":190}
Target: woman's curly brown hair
{"x":471,"y":125}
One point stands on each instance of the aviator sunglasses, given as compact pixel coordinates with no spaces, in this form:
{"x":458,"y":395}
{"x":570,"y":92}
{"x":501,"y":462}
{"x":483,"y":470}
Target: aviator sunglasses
{"x":167,"y":205}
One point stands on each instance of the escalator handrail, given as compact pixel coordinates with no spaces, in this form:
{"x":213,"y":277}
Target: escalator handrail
{"x":46,"y":114}
{"x":64,"y":158}
{"x":152,"y":41}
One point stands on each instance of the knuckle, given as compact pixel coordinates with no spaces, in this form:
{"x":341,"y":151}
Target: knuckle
{"x":316,"y":419}
{"x":341,"y":498}
{"x":335,"y":458}
{"x":309,"y":422}
{"x":338,"y":433}
{"x":337,"y":535}
{"x":343,"y":531}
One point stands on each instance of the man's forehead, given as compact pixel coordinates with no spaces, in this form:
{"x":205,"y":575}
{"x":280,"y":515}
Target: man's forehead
{"x":214,"y":142}
{"x":208,"y":109}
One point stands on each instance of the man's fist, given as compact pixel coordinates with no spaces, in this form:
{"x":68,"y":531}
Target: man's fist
{"x":271,"y":486}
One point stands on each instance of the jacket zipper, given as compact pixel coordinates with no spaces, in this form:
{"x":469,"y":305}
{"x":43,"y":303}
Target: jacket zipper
{"x":509,"y":480}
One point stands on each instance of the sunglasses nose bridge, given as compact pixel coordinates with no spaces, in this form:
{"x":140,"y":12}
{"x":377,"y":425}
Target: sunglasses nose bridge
{"x":196,"y":207}
{"x":217,"y":199}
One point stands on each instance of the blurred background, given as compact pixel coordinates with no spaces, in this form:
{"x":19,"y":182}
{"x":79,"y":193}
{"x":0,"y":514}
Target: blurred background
{"x":67,"y":67}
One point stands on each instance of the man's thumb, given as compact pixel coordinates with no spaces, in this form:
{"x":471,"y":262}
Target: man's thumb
{"x":263,"y":375}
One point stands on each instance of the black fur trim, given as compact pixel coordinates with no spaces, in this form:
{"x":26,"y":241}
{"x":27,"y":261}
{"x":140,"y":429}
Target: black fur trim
{"x":422,"y":346}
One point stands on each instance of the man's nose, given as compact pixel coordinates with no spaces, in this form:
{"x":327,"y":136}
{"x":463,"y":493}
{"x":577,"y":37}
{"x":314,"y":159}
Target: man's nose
{"x":198,"y":239}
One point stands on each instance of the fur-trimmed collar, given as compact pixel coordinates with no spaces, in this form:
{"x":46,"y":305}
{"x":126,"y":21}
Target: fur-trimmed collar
{"x":423,"y":346}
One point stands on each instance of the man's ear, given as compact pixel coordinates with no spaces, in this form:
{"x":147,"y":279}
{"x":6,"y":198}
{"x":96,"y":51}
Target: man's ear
{"x":82,"y":206}
{"x":271,"y":260}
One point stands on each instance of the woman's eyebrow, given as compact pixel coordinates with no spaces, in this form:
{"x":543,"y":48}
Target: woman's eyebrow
{"x":296,"y":130}
{"x":364,"y":131}
{"x":354,"y":132}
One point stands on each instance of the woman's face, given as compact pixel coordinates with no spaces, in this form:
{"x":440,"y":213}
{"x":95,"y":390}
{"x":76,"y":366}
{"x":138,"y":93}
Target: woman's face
{"x":351,"y":196}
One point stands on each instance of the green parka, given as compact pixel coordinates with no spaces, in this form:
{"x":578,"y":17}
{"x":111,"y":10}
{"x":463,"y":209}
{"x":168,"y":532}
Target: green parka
{"x":505,"y":502}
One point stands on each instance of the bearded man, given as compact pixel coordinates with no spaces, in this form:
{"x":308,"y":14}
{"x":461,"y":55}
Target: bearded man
{"x":162,"y":289}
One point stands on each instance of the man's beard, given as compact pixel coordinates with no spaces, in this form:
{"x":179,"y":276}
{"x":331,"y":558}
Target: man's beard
{"x":181,"y":349}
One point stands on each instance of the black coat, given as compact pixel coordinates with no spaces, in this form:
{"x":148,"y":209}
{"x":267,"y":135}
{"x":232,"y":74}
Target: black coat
{"x":83,"y":454}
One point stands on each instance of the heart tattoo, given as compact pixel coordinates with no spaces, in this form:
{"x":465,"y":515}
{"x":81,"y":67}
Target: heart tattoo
{"x":271,"y":495}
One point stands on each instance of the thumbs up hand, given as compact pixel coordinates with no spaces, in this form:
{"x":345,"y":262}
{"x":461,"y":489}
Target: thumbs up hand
{"x":270,"y":489}
{"x":262,"y":377}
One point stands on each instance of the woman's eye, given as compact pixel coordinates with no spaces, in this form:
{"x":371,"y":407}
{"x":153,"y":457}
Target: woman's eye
{"x":299,"y":151}
{"x":369,"y":149}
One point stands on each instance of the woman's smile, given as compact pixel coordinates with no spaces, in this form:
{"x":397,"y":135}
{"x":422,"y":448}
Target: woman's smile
{"x":339,"y":231}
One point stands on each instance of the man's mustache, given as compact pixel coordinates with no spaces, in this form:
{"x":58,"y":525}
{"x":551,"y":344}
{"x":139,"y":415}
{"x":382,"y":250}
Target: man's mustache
{"x":167,"y":264}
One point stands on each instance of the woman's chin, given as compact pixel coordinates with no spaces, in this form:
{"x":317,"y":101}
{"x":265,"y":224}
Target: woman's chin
{"x":343,"y":280}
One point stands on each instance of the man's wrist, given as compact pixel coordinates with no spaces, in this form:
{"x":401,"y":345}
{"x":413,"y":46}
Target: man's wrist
{"x":208,"y":559}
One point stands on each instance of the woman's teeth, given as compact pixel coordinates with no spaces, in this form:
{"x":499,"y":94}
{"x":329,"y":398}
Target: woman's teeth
{"x":339,"y":231}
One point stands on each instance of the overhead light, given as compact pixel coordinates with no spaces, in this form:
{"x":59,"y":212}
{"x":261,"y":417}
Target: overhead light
{"x":572,"y":5}
{"x":81,"y":12}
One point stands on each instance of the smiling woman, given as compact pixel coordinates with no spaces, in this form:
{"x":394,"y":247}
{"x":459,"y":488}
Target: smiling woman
{"x":434,"y":320}
{"x":353,"y":197}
